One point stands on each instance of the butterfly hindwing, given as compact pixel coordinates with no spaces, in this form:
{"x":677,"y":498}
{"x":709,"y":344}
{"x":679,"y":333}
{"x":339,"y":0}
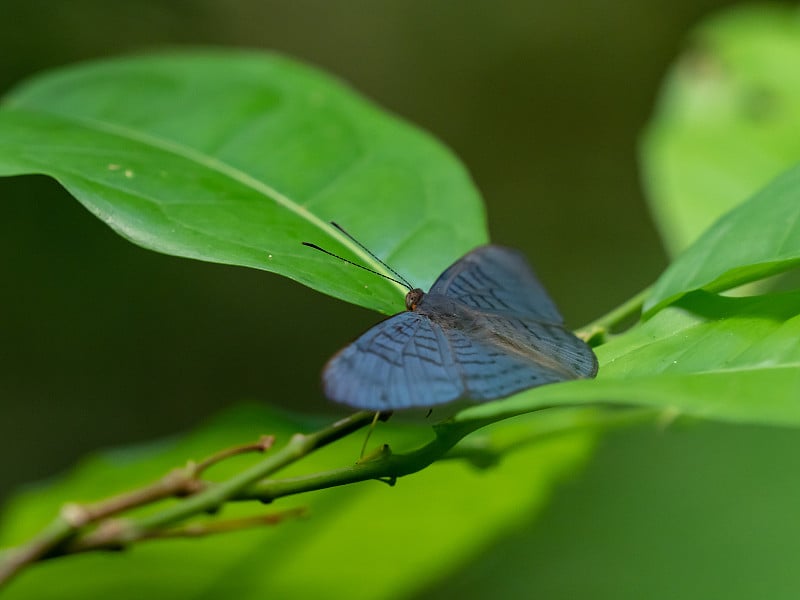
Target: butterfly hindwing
{"x":549,"y":345}
{"x":497,"y":279}
{"x":402,"y":362}
{"x":507,"y":355}
{"x":488,"y":373}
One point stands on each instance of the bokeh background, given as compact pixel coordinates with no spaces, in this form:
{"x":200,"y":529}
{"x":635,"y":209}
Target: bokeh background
{"x":103,"y":343}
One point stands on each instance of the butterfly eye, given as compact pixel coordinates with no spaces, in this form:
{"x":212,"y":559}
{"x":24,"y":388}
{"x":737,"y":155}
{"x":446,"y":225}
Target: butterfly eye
{"x":413,"y":298}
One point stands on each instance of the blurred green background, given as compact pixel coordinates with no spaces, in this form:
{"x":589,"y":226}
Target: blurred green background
{"x":107,"y":344}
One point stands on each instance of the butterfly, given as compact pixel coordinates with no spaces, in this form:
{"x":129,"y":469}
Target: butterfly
{"x":485,"y":330}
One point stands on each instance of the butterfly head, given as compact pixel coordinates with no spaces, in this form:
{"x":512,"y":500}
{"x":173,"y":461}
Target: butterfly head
{"x":413,"y":298}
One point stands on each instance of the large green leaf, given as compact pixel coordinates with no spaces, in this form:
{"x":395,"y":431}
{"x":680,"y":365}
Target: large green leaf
{"x":716,"y":357}
{"x":700,"y":512}
{"x":758,"y":238}
{"x":361,"y":541}
{"x":236,"y":157}
{"x":726,"y":121}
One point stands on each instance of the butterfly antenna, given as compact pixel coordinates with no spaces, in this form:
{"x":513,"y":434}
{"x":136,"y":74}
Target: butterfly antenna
{"x":355,"y":264}
{"x":368,"y":251}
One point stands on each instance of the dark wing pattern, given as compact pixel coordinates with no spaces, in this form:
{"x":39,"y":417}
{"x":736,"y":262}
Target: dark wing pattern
{"x":509,"y":355}
{"x":497,"y":279}
{"x":403,"y":362}
{"x":411,"y":361}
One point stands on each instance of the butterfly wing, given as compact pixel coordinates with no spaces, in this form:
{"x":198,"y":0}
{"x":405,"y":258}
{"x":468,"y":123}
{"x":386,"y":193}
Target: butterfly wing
{"x":511,"y":339}
{"x":402,"y":362}
{"x":507,"y":355}
{"x":497,"y":279}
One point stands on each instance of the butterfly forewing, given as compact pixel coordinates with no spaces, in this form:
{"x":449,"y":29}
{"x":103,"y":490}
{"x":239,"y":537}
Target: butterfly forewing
{"x":497,"y":279}
{"x":400,"y":363}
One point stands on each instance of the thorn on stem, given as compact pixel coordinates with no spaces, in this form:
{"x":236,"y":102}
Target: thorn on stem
{"x":266,"y":442}
{"x":76,"y":515}
{"x":190,"y":487}
{"x":383,"y":451}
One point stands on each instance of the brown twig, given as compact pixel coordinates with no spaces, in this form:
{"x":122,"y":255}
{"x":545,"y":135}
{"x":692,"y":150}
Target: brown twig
{"x":106,"y":537}
{"x":74,"y":517}
{"x":84,"y":528}
{"x":177,"y":483}
{"x":264,"y":443}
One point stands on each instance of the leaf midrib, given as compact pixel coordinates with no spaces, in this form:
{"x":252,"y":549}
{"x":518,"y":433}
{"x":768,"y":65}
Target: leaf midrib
{"x":222,"y":168}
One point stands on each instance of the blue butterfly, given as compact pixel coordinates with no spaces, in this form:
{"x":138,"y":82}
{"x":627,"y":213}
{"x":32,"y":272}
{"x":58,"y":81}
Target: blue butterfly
{"x":485,"y":330}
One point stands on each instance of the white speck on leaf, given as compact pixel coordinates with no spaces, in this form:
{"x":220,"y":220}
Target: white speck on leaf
{"x":128,"y":173}
{"x":113,"y":167}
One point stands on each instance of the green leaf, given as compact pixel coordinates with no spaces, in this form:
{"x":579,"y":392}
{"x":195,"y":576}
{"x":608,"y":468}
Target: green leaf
{"x":758,"y":238}
{"x":699,"y":512}
{"x":391,"y":541}
{"x":726,"y":121}
{"x":237,"y":157}
{"x":709,"y":356}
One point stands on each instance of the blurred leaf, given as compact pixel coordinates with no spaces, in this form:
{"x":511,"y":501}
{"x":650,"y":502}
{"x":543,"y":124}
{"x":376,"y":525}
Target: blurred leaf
{"x":758,"y":238}
{"x":390,"y":541}
{"x":698,"y":512}
{"x":716,"y":357}
{"x":237,"y":157}
{"x":726,"y":121}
